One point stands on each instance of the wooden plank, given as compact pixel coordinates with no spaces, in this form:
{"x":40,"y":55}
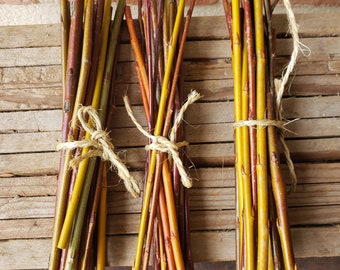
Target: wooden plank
{"x":30,"y":121}
{"x":29,"y":142}
{"x":28,"y":186}
{"x":308,"y":242}
{"x":20,"y":57}
{"x":214,"y":199}
{"x":207,"y":155}
{"x":197,"y":113}
{"x":124,"y":224}
{"x":49,"y":34}
{"x":215,"y":154}
{"x":320,"y":48}
{"x":43,"y":95}
{"x":30,"y":76}
{"x":30,"y":164}
{"x":31,"y":99}
{"x":26,"y":228}
{"x":309,"y":25}
{"x":42,"y":35}
{"x":205,"y":178}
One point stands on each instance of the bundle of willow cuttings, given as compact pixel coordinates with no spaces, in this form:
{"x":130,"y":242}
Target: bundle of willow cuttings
{"x":89,"y":49}
{"x":262,"y":233}
{"x":164,"y":223}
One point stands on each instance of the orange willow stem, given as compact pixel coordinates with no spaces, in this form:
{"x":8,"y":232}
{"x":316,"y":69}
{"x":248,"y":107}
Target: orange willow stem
{"x":140,"y":67}
{"x":170,"y":203}
{"x":261,"y":142}
{"x":166,"y":230}
{"x":157,"y":132}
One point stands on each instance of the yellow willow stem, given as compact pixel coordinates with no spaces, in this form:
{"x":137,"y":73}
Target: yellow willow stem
{"x":246,"y":181}
{"x":157,"y":132}
{"x":73,"y":204}
{"x":270,"y":256}
{"x":237,"y":72}
{"x":261,"y":139}
{"x":101,"y":245}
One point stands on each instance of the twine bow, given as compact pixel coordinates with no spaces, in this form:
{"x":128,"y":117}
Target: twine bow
{"x":99,"y":145}
{"x":164,"y":144}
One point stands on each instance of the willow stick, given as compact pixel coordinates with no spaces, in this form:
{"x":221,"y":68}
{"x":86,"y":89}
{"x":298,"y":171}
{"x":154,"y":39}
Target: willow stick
{"x":246,"y":185}
{"x":65,"y":27}
{"x":277,"y":180}
{"x":249,"y":42}
{"x":101,"y":246}
{"x":68,"y":102}
{"x":153,"y":210}
{"x":237,"y":72}
{"x":73,"y":204}
{"x":97,"y":38}
{"x":176,"y":245}
{"x":261,"y":143}
{"x":92,"y":219}
{"x":166,"y":230}
{"x":162,"y":258}
{"x":157,"y":132}
{"x":140,"y":65}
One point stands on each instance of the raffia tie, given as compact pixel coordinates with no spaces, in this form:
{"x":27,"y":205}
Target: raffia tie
{"x":99,"y":146}
{"x":164,"y":144}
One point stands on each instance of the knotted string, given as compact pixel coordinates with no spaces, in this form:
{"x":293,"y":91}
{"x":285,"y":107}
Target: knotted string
{"x":99,"y":146}
{"x":164,"y":144}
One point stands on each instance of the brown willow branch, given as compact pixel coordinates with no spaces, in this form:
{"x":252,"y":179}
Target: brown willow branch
{"x":277,"y":180}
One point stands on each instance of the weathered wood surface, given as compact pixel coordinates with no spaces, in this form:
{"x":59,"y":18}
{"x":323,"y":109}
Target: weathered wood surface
{"x":30,"y":120}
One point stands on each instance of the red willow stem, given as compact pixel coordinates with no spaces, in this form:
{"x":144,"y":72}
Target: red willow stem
{"x":97,"y":36}
{"x":227,"y":11}
{"x":249,"y":38}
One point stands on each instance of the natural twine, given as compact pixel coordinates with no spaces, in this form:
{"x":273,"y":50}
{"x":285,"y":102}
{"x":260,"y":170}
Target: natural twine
{"x":100,"y":146}
{"x":164,"y":144}
{"x":281,"y":83}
